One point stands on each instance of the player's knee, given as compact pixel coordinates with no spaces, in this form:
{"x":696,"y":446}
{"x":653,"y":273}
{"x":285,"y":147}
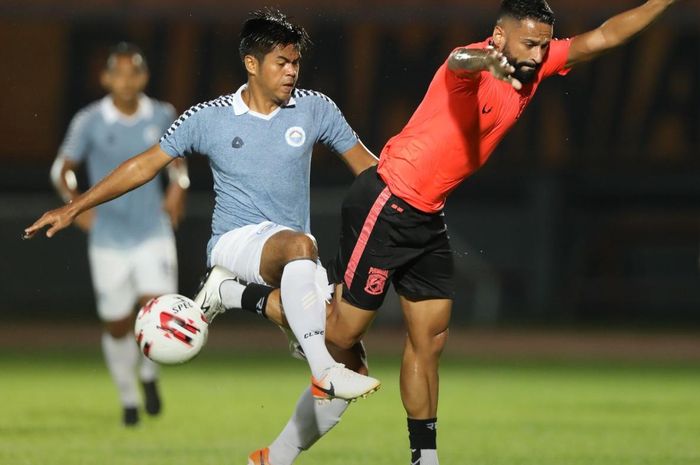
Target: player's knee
{"x":301,"y":246}
{"x":439,"y":341}
{"x":430,"y":345}
{"x":119,"y":328}
{"x":339,"y":334}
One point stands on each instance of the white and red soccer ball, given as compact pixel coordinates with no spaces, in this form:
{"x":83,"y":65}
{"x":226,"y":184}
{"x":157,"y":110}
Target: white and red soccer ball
{"x":171,"y":329}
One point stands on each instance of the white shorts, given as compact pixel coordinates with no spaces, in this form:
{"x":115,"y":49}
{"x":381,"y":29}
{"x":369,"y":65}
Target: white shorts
{"x":122,"y":276}
{"x":240,"y":251}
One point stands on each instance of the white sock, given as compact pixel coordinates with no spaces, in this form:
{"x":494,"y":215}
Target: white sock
{"x":231,"y":292}
{"x":428,"y":457}
{"x":121,"y":356}
{"x":306,"y":312}
{"x":149,"y":370}
{"x":310,"y":421}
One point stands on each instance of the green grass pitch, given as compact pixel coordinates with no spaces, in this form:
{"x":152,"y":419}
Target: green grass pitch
{"x":61,"y":409}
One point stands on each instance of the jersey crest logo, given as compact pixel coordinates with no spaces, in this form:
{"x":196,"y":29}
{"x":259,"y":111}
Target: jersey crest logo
{"x":295,"y":136}
{"x":376,"y":281}
{"x":237,"y":142}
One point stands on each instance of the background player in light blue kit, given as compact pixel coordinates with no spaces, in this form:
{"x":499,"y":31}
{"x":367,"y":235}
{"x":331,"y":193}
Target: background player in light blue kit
{"x":259,"y":142}
{"x":131,"y":243}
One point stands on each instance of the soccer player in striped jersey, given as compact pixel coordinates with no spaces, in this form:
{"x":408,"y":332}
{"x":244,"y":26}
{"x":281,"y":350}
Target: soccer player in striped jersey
{"x":259,"y":142}
{"x":131,"y":245}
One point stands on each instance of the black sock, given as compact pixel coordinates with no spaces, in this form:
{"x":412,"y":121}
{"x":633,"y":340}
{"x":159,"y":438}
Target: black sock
{"x":421,"y":435}
{"x":254,"y":298}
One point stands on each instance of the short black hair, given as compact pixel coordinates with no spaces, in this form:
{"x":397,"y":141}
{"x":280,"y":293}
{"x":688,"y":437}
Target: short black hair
{"x":129,"y":50}
{"x":538,"y":10}
{"x":267,"y":28}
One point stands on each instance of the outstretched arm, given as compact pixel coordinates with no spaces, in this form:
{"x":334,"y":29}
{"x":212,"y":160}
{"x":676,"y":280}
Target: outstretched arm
{"x":66,"y":184}
{"x":466,"y":62}
{"x":129,"y":175}
{"x":615,"y":31}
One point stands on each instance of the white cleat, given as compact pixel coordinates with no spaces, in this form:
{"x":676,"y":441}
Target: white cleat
{"x":339,"y":382}
{"x":209,"y":296}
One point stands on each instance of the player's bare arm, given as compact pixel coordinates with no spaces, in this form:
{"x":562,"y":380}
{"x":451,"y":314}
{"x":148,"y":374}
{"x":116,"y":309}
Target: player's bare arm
{"x":359,"y":158}
{"x":176,"y":192}
{"x":468,"y":62}
{"x":615,"y":31}
{"x":128,"y":176}
{"x":65,"y":182}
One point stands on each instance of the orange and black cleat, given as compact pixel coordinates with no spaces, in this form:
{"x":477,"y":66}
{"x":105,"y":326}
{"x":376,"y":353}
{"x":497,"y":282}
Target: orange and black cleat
{"x":259,"y":457}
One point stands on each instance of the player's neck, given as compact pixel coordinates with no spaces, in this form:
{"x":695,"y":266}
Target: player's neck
{"x":257,"y":101}
{"x":126,"y":107}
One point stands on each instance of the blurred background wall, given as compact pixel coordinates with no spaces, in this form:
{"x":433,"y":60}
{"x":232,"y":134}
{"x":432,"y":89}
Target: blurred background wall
{"x":587,"y":214}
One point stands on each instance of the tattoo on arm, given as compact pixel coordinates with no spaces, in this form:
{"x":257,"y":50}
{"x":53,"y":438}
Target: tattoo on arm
{"x":468,"y":61}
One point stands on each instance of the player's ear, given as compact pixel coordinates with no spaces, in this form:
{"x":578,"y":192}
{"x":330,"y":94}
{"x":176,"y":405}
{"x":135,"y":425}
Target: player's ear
{"x":251,"y":64}
{"x":143,"y":79}
{"x":499,"y":38}
{"x":105,"y":80}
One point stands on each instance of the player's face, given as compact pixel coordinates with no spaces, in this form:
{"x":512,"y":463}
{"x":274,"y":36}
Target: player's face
{"x":279,"y":72}
{"x":125,"y":79}
{"x":525,"y":44}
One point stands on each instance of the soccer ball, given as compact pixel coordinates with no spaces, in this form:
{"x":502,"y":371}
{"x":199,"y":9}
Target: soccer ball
{"x":171,"y":329}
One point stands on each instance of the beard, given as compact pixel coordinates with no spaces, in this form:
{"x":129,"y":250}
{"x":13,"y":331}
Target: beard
{"x":525,"y":71}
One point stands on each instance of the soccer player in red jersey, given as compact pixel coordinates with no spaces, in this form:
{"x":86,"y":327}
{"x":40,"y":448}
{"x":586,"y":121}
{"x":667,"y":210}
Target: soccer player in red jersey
{"x":393,"y":227}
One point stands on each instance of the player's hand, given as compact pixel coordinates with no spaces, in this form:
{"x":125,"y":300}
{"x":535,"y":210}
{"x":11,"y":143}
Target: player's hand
{"x":497,"y":64}
{"x":174,"y":204}
{"x":56,"y":220}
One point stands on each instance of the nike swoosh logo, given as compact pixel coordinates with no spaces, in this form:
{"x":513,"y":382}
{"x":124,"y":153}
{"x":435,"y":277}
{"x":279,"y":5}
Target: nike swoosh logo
{"x":205,"y":308}
{"x":486,"y":109}
{"x":417,"y":462}
{"x":330,"y":391}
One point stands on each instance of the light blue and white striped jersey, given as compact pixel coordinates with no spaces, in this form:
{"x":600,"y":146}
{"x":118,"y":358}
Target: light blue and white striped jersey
{"x":260,"y":163}
{"x":103,"y":138}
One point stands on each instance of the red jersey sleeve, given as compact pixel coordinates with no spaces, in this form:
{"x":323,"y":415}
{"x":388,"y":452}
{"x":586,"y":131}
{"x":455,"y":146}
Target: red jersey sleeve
{"x":555,"y":63}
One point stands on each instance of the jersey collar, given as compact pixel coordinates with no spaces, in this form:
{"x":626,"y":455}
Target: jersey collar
{"x":111,"y":113}
{"x":240,"y":108}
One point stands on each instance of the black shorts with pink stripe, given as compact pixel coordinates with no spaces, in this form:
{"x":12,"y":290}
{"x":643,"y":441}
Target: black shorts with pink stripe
{"x":383,"y":239}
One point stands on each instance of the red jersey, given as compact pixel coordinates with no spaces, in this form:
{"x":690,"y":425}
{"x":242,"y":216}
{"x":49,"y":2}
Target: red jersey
{"x":453,"y":131}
